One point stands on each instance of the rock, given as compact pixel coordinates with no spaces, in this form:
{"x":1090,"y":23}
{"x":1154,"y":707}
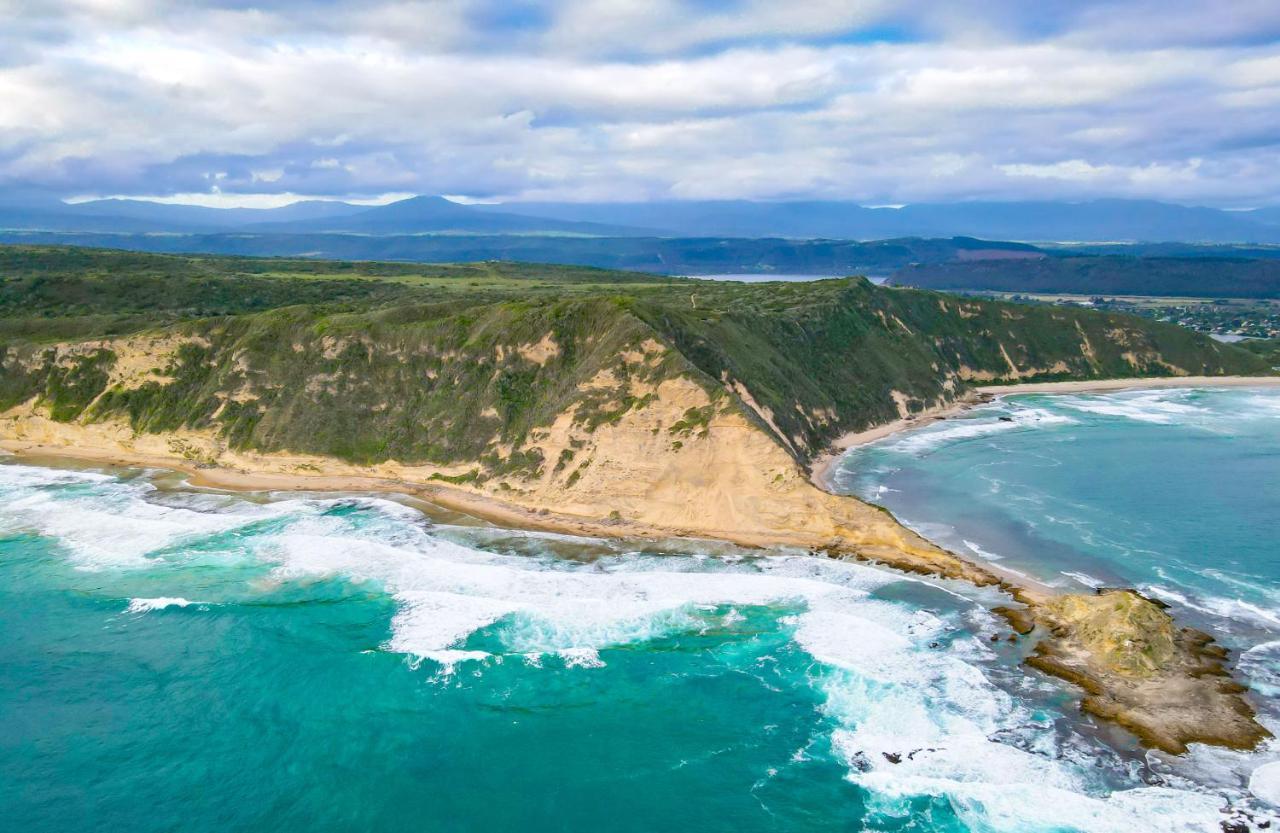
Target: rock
{"x":1019,"y":618}
{"x":892,"y":757}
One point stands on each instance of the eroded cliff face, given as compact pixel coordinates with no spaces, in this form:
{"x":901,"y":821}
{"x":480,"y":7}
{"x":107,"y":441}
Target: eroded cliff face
{"x":672,"y":453}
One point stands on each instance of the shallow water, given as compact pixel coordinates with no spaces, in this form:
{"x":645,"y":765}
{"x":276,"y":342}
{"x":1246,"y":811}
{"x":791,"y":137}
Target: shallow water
{"x":175,"y":658}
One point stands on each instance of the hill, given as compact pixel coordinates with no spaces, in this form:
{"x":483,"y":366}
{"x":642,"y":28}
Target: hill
{"x":434,"y":363}
{"x":686,"y":256}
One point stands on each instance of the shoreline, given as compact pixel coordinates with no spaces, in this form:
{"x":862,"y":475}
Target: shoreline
{"x":479,"y":506}
{"x":1100,"y":642}
{"x":822,"y":465}
{"x":1065,"y":627}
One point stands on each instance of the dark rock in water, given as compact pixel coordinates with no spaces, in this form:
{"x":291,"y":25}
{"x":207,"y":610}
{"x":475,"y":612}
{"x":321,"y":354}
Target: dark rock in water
{"x":1234,"y":826}
{"x":892,"y":757}
{"x":1006,"y":419}
{"x":1019,"y":618}
{"x":934,"y":644}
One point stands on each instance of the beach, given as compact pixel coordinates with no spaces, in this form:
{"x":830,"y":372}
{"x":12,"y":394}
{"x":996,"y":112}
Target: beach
{"x":821,"y":466}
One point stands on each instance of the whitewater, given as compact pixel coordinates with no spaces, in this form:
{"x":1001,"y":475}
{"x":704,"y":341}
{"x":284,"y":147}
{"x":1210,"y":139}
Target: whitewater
{"x":182,"y":657}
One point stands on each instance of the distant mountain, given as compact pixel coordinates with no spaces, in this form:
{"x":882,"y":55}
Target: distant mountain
{"x":1269,"y":215}
{"x":1096,"y":221}
{"x":416,"y":215}
{"x":424,"y":215}
{"x":141,"y":216}
{"x":1100,"y":221}
{"x":197,"y":216}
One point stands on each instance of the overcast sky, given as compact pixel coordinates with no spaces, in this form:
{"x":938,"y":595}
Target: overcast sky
{"x":881,"y":102}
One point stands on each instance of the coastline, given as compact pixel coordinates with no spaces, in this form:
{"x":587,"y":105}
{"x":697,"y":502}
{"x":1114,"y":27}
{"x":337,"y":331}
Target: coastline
{"x":822,"y":465}
{"x":221,"y":478}
{"x":1095,"y":641}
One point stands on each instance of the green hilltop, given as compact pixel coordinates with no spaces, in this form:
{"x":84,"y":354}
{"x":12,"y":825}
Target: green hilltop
{"x":461,"y":364}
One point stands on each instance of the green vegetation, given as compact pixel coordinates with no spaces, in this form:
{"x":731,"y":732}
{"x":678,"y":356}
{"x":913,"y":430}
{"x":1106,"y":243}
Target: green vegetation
{"x":468,"y":364}
{"x":666,"y":255}
{"x":1267,"y":348}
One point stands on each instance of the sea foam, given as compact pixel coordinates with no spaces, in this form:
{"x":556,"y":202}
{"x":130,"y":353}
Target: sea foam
{"x":159,"y":603}
{"x":913,"y":710}
{"x":985,"y":423}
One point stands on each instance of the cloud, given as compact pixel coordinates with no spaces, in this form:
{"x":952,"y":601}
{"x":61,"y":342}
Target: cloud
{"x":874,"y":101}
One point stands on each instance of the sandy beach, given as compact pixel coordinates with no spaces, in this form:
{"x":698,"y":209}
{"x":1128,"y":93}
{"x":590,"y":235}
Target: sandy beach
{"x":822,"y":465}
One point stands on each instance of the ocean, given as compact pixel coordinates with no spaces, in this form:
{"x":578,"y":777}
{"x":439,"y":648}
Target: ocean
{"x":178,"y":658}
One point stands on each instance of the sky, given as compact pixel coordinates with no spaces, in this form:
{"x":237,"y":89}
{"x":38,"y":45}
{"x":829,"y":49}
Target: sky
{"x":234,"y":102}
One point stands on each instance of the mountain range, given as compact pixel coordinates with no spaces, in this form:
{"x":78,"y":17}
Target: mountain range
{"x":1095,"y":221}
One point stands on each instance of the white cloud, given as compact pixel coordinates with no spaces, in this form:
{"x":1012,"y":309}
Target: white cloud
{"x":628,"y":99}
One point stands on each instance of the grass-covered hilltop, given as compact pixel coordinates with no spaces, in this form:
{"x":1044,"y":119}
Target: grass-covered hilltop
{"x":471,"y":364}
{"x":588,"y":399}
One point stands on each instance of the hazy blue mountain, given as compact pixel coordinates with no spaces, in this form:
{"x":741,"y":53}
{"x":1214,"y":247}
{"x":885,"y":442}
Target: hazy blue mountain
{"x":1098,"y":220}
{"x":196,"y":216}
{"x":1269,"y":215}
{"x":139,"y":216}
{"x":420,"y":215}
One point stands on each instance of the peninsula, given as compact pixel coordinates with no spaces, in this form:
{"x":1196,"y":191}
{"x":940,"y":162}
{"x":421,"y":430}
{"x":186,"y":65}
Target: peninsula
{"x":591,"y":401}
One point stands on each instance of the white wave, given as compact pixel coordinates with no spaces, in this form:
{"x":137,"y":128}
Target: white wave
{"x":1265,"y":405}
{"x":1237,"y":609}
{"x":113,"y":525}
{"x":978,"y":550}
{"x":447,"y":591}
{"x":581,"y":658}
{"x":889,"y":684}
{"x":1261,"y":664}
{"x":915,"y":721}
{"x":158,"y":603}
{"x":982,"y":424}
{"x":1161,"y":407}
{"x":1265,"y":783}
{"x":16,"y":475}
{"x":1085,"y":579}
{"x":449,"y":660}
{"x":898,"y":682}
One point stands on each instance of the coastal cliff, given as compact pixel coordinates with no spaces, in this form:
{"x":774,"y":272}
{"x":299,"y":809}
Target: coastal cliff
{"x":597,"y":402}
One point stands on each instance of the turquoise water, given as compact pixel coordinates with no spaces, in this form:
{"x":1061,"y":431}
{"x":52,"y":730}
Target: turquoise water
{"x":1174,"y":492}
{"x":172,"y":658}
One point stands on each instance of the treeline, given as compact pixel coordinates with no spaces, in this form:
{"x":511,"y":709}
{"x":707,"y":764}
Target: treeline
{"x":671,"y":256}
